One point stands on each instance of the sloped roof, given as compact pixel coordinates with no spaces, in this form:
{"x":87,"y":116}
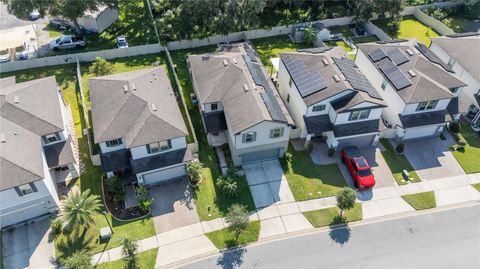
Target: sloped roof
{"x":221,"y":77}
{"x":464,"y":50}
{"x":138,"y":106}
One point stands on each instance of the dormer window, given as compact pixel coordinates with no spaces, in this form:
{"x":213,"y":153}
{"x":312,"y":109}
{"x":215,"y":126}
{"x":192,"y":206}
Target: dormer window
{"x":214,"y":107}
{"x":318,"y":108}
{"x":114,"y":143}
{"x":159,"y":146}
{"x":51,"y":138}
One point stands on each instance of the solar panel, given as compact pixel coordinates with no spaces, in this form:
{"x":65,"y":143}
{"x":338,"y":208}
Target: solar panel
{"x":377,"y":55}
{"x":432,"y":57}
{"x":397,"y":56}
{"x":355,"y":77}
{"x":395,"y":75}
{"x":307,"y":81}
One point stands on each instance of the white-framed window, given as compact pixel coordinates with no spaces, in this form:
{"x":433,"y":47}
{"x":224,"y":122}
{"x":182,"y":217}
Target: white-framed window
{"x":159,"y":146}
{"x":318,"y":108}
{"x":451,"y":62}
{"x":454,"y":90}
{"x":249,"y":137}
{"x":114,"y":143}
{"x":51,"y":138}
{"x":26,"y":189}
{"x":427,"y":105}
{"x":290,"y":82}
{"x":384,"y":84}
{"x":359,"y":115}
{"x":276,"y":132}
{"x":214,"y":107}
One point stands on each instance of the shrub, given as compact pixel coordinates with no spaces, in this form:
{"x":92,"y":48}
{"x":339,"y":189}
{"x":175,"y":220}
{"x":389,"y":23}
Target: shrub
{"x":194,"y":171}
{"x":237,"y":218}
{"x":56,"y":225}
{"x":79,"y":260}
{"x":400,"y":148}
{"x":454,"y":127}
{"x":231,"y":185}
{"x":331,"y":152}
{"x":288,"y":157}
{"x":129,"y":253}
{"x":114,"y":186}
{"x":101,"y":67}
{"x":346,"y":199}
{"x":145,"y":203}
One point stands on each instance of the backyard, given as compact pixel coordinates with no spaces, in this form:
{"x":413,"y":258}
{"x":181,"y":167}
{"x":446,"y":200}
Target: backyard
{"x":398,"y":163}
{"x":469,"y":158}
{"x":410,"y":27}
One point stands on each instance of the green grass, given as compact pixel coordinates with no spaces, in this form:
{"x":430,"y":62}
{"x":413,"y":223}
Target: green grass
{"x":210,"y":202}
{"x":339,"y":43}
{"x":456,"y":23}
{"x":331,"y":215}
{"x":345,"y":30}
{"x":310,"y":181}
{"x":410,"y":27}
{"x":146,"y":260}
{"x":423,"y":200}
{"x":398,"y":163}
{"x":476,"y":186}
{"x":469,"y":159}
{"x":226,"y":239}
{"x":364,"y":39}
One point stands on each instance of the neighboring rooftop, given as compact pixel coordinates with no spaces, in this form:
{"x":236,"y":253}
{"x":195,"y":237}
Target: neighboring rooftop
{"x":236,"y":78}
{"x":322,"y":73}
{"x":412,"y":69}
{"x":465,"y":50}
{"x":138,"y":106}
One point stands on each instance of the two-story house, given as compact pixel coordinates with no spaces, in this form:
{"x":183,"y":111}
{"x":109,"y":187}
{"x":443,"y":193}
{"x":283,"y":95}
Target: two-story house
{"x":462,"y":53}
{"x":415,"y":84}
{"x":36,"y":151}
{"x":138,"y":126}
{"x":239,"y":104}
{"x":328,"y":97}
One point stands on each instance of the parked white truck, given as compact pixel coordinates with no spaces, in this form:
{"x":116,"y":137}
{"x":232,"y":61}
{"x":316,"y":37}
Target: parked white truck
{"x":68,"y":42}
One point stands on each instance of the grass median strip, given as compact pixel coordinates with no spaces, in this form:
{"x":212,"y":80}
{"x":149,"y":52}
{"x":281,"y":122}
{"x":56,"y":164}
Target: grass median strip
{"x":331,"y":215}
{"x":398,"y":163}
{"x":225,"y":238}
{"x":420,"y":201}
{"x":146,"y":260}
{"x":469,"y":157}
{"x":476,"y":186}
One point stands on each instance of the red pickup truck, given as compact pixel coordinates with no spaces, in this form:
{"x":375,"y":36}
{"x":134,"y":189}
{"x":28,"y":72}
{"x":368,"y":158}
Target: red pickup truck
{"x":358,"y":167}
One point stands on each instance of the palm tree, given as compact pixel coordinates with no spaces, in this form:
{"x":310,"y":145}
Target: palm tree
{"x":79,"y":208}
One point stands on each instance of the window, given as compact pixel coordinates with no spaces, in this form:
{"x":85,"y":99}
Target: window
{"x":288,"y":98}
{"x":114,"y":143}
{"x":159,"y":146}
{"x":454,"y":90}
{"x":384,"y":84}
{"x":359,"y":115}
{"x":290,"y":82}
{"x":427,"y":105}
{"x":213,"y":107}
{"x":26,"y":189}
{"x":50,"y":138}
{"x":451,"y":62}
{"x":276,"y":132}
{"x":318,"y":108}
{"x":249,"y":137}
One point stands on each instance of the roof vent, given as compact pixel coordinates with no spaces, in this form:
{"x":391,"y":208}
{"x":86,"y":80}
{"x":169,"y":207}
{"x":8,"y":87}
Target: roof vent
{"x":234,"y":60}
{"x":125,"y":88}
{"x":245,"y":87}
{"x":154,"y":107}
{"x":225,"y":62}
{"x":3,"y":139}
{"x":325,"y":61}
{"x":134,"y":87}
{"x":410,"y":52}
{"x":15,"y":99}
{"x":154,"y":76}
{"x":411,"y":73}
{"x":336,"y":78}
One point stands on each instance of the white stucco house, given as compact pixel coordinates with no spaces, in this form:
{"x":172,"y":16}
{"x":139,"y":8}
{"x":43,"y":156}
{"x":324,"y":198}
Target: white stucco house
{"x":36,"y":152}
{"x":138,"y":126}
{"x":329,"y":98}
{"x":462,"y":53}
{"x":415,"y":84}
{"x":239,"y":104}
{"x":98,"y":21}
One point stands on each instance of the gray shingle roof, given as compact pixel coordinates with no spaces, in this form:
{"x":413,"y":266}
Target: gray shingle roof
{"x":217,"y":82}
{"x":115,"y":160}
{"x":422,"y":119}
{"x":161,"y":160}
{"x":355,"y":128}
{"x":431,"y":82}
{"x":138,"y":106}
{"x":215,"y":122}
{"x":465,"y":51}
{"x":59,"y":154}
{"x":318,"y":124}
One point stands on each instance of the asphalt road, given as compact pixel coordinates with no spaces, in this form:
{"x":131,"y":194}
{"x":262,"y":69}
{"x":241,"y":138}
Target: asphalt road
{"x":446,"y":239}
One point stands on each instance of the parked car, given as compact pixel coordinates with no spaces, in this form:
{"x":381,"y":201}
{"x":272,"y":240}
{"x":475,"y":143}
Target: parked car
{"x":358,"y":167}
{"x":34,"y":15}
{"x":122,"y":42}
{"x":4,"y":56}
{"x":68,"y":42}
{"x":21,"y":52}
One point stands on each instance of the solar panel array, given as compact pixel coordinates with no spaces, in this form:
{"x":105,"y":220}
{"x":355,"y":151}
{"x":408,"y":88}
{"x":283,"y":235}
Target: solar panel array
{"x":397,"y":56}
{"x":432,"y":57}
{"x":377,"y":55}
{"x":395,"y":75}
{"x":355,"y":77}
{"x":307,"y":81}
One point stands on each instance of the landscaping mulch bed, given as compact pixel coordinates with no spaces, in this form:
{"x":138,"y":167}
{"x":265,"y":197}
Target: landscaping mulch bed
{"x":117,"y":208}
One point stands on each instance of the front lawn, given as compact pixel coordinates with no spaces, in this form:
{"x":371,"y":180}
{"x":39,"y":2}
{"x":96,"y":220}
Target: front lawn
{"x":226,"y":239}
{"x":398,"y":163}
{"x":210,"y":202}
{"x":331,"y":215}
{"x":310,"y":181}
{"x":146,"y":260}
{"x":423,"y":200}
{"x":410,"y":27}
{"x":469,"y":158}
{"x":476,"y":186}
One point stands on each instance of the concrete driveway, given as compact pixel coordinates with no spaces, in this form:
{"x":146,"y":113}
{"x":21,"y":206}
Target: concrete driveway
{"x":27,"y":246}
{"x":432,"y":159}
{"x":173,"y":206}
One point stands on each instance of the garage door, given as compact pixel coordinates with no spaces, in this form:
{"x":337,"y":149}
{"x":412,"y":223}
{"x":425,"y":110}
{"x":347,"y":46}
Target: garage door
{"x":419,"y":132}
{"x":263,"y":155}
{"x":165,"y":175}
{"x":359,"y":141}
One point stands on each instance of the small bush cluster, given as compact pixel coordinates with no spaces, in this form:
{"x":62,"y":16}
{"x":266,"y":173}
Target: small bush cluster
{"x":115,"y":187}
{"x":400,"y":148}
{"x":194,"y":170}
{"x":144,"y":201}
{"x":231,"y":185}
{"x":56,"y":225}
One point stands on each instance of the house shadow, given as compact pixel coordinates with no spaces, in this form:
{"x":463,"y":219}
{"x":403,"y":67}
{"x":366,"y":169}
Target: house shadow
{"x":231,"y":258}
{"x":365,"y":195}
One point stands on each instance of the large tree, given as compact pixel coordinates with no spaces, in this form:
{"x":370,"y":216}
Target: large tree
{"x":80,"y":208}
{"x":69,"y":9}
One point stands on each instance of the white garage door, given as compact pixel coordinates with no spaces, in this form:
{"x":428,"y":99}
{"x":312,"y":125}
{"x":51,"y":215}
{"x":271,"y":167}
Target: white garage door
{"x":419,"y":132}
{"x":165,"y":175}
{"x":26,"y":213}
{"x":269,"y":154}
{"x":359,"y":141}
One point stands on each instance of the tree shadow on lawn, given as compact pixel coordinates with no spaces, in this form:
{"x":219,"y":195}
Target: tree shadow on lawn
{"x":74,"y":242}
{"x":231,"y":258}
{"x":339,"y":231}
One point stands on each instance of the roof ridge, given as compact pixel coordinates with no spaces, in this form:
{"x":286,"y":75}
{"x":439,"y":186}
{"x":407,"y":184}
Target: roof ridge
{"x":118,"y":111}
{"x":434,"y":82}
{"x":34,"y":116}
